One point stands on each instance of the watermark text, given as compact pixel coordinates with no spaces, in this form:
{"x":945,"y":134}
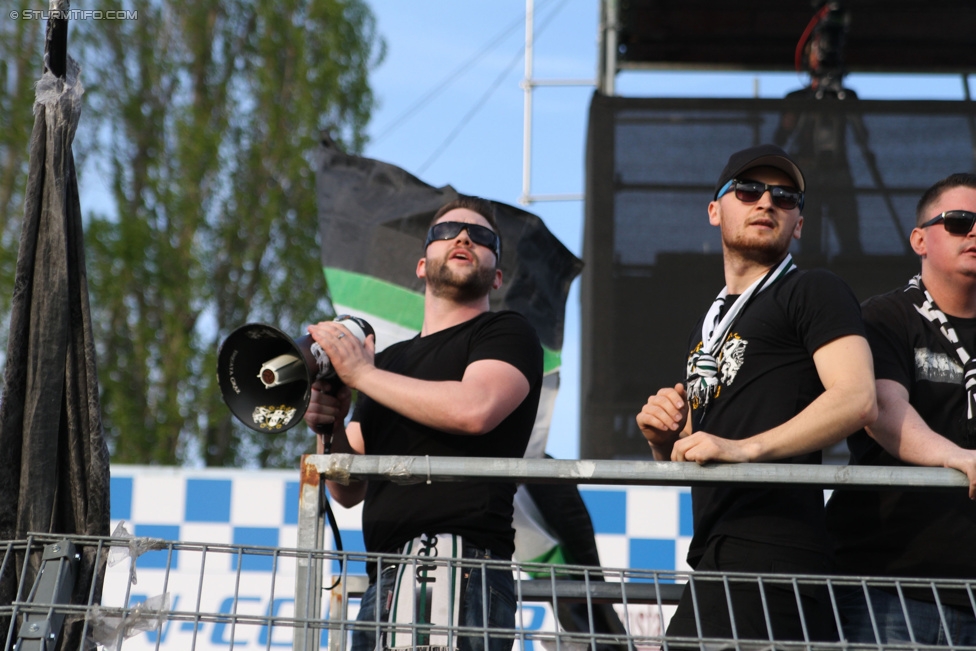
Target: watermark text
{"x":75,"y":14}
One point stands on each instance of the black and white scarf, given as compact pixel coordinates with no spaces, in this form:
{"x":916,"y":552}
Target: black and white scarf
{"x":926,"y":307}
{"x":703,"y":366}
{"x":427,"y":594}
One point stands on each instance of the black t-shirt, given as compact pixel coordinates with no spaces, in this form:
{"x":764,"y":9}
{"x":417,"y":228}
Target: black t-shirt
{"x":767,"y":376}
{"x":909,"y":533}
{"x":481,"y":512}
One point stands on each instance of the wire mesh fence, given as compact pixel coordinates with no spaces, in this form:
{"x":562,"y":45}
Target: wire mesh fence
{"x":234,"y":607}
{"x":160,"y":594}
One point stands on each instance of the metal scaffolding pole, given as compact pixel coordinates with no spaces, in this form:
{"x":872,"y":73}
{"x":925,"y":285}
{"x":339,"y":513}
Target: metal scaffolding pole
{"x":528,"y":84}
{"x":607,"y":71}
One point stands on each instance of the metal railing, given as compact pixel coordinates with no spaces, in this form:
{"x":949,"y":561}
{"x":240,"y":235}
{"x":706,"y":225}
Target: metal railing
{"x":409,"y":470}
{"x":627,"y":585}
{"x":284,"y":605}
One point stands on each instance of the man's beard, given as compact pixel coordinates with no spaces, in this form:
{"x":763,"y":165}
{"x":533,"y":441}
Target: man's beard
{"x":472,"y":285}
{"x":768,"y":252}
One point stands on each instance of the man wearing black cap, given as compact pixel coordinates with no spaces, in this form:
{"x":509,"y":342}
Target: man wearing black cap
{"x":777,"y":370}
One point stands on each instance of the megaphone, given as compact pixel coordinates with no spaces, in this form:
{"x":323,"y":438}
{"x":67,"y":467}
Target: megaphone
{"x":266,"y":377}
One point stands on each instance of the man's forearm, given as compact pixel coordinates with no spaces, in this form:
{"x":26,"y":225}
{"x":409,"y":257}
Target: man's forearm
{"x":904,"y":434}
{"x":346,"y":440}
{"x":334,"y":440}
{"x":349,"y":495}
{"x":473,"y":406}
{"x":848,"y":403}
{"x":834,"y":415}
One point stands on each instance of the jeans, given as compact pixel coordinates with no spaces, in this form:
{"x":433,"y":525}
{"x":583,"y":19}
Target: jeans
{"x":499,"y":585}
{"x":892,"y":628}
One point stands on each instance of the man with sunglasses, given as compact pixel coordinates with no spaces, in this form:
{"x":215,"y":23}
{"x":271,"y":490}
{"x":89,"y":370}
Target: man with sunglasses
{"x":467,"y":385}
{"x":777,"y":370}
{"x":923,"y":337}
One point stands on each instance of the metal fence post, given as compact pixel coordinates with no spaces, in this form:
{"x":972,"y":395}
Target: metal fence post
{"x":53,"y":586}
{"x":308,"y":573}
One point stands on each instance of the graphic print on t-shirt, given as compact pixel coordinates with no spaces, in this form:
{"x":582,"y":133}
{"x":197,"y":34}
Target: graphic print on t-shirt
{"x":730,"y":360}
{"x":937,"y":367}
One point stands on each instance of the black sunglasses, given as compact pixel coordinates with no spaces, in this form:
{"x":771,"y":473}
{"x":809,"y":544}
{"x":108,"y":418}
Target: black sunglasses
{"x":783,"y":197}
{"x":478,"y":234}
{"x":957,"y":222}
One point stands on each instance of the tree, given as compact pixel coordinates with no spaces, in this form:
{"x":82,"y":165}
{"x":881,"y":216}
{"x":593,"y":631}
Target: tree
{"x":21,"y":65}
{"x":207,"y":113}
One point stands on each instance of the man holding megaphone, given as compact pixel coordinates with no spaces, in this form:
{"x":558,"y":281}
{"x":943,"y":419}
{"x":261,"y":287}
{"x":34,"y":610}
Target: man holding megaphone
{"x":467,"y":385}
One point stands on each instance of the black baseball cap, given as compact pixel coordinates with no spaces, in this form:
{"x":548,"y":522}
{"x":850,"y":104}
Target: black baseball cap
{"x":760,"y":156}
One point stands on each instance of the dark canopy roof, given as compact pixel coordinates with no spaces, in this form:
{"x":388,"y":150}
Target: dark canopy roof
{"x":885,"y":35}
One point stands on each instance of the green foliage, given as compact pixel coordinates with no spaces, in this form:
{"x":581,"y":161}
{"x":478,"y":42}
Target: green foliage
{"x":20,"y":68}
{"x":206,"y":115}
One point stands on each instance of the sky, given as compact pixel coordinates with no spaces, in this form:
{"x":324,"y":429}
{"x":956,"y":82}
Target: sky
{"x":450,"y":111}
{"x":469,"y":134}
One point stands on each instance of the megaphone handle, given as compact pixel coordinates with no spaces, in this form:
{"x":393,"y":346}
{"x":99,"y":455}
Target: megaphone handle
{"x":325,"y":431}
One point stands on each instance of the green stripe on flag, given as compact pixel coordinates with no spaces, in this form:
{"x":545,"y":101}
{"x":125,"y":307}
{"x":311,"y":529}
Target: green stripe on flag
{"x":395,"y":304}
{"x":551,"y":360}
{"x":367,"y":294}
{"x":555,"y":556}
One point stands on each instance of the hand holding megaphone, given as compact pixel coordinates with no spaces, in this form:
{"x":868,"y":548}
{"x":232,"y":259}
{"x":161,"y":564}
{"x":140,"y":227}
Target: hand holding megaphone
{"x":348,"y":356}
{"x":266,"y":377}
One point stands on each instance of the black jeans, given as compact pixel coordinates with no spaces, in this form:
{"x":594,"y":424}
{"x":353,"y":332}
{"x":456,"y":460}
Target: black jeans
{"x":727,"y":554}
